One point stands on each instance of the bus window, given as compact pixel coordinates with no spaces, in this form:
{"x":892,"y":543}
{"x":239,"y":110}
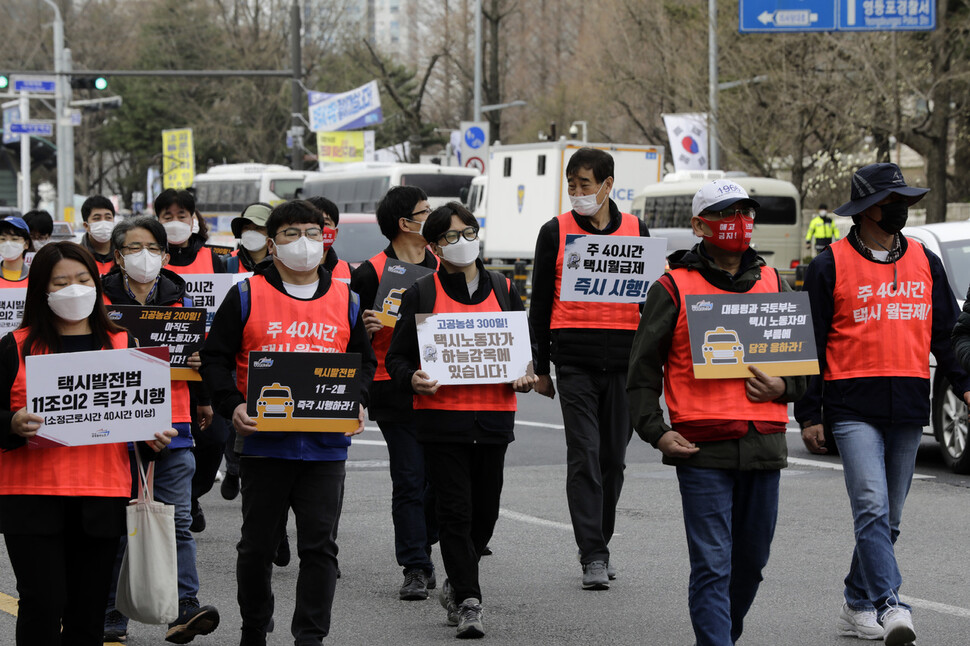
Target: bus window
{"x":285,"y":188}
{"x":776,"y":210}
{"x":439,"y":185}
{"x":225,"y":197}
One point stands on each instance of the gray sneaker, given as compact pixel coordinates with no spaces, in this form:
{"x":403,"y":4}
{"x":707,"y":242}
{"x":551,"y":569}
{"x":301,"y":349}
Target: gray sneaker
{"x":898,"y":623}
{"x":470,"y":616}
{"x":446,"y":597}
{"x":595,"y":576}
{"x":859,"y":623}
{"x":610,"y":570}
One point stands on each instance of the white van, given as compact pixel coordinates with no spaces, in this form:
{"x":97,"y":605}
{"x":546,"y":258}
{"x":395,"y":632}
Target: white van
{"x":779,"y":230}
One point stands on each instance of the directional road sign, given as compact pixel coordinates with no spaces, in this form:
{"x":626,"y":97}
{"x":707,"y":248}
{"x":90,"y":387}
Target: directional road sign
{"x":774,"y":16}
{"x":889,"y":15}
{"x":787,"y":15}
{"x":36,"y":84}
{"x":38,"y":128}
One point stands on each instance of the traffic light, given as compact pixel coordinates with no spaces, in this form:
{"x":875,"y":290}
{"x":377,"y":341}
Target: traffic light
{"x":89,"y":83}
{"x":4,"y":81}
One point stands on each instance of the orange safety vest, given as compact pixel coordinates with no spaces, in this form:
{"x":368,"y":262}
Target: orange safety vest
{"x":201,"y":265}
{"x":341,"y":271}
{"x":280,"y":323}
{"x":104,"y":267}
{"x":14,"y":284}
{"x":472,"y":397}
{"x":869,"y":314}
{"x":100,"y":470}
{"x":181,"y":407}
{"x":690,"y":399}
{"x":613,"y":316}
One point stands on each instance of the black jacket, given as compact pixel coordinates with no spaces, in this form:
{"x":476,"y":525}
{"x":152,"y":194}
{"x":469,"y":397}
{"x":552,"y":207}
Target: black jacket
{"x":183,"y":256}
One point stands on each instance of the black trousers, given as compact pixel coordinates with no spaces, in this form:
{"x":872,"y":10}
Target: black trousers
{"x":210,"y":446}
{"x":314,"y":490}
{"x":467,"y":480}
{"x":63,"y":580}
{"x":596,"y":415}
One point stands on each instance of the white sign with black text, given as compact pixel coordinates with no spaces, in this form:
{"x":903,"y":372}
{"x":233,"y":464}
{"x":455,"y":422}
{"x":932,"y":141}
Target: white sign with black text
{"x":209,"y":290}
{"x":610,"y":269}
{"x":475,"y":347}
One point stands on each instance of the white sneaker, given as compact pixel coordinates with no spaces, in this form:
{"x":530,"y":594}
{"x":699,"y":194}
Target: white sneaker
{"x":859,"y":623}
{"x":898,"y":624}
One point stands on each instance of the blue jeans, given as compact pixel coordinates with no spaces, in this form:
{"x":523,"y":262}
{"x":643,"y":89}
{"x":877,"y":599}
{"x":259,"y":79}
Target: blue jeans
{"x":412,"y":502}
{"x":730,"y":520}
{"x":878,"y":463}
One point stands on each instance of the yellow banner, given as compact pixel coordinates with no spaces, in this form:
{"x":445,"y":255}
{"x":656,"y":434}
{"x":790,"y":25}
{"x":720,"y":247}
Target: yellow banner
{"x":178,"y":158}
{"x":346,"y":146}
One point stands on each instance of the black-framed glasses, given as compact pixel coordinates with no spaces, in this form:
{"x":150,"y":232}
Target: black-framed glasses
{"x":136,"y":247}
{"x":293,"y":234}
{"x":426,"y":211}
{"x":452,"y":236}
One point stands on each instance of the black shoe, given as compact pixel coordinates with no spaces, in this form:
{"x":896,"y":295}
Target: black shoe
{"x":192,"y":620}
{"x":486,"y":551}
{"x":432,"y":581}
{"x":230,"y":486}
{"x":338,"y":571}
{"x":115,"y":626}
{"x":415,"y":586}
{"x":282,"y":558}
{"x":198,"y":518}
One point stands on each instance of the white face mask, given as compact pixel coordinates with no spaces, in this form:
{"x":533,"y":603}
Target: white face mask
{"x":252,"y":240}
{"x":462,"y":253}
{"x":586,"y":205}
{"x":195,"y":225}
{"x":142,"y":267}
{"x":11,"y":249}
{"x":302,"y":255}
{"x":177,"y":231}
{"x":39,"y":243}
{"x":101,"y":230}
{"x":74,"y":302}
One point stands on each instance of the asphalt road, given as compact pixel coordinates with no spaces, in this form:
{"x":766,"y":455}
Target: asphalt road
{"x":531,"y":584}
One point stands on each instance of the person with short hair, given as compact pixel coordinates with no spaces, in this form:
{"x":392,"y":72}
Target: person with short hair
{"x":175,"y":209}
{"x":41,"y":226}
{"x":15,"y":243}
{"x":331,"y":213}
{"x":880,"y":304}
{"x":98,"y":216}
{"x":302,"y":471}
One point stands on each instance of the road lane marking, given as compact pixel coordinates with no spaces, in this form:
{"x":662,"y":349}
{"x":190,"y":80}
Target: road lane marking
{"x":8,"y":604}
{"x":935,"y":606}
{"x":838,"y":467}
{"x":534,"y":520}
{"x":368,"y":442}
{"x":368,"y":464}
{"x":539,"y":424}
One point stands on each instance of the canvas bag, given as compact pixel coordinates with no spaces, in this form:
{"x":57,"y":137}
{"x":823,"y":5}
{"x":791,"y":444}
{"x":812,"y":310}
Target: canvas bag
{"x":148,"y":582}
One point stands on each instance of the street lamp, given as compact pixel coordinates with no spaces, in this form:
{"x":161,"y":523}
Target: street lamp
{"x":501,"y":106}
{"x":573,"y":130}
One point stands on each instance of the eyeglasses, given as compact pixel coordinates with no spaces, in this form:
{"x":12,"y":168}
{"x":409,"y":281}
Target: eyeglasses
{"x":293,"y":234}
{"x":426,"y":211}
{"x":451,"y":237}
{"x":730,"y":212}
{"x":136,"y":247}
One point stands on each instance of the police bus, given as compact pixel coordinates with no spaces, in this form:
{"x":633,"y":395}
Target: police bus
{"x":358,"y":187}
{"x":779,"y":230}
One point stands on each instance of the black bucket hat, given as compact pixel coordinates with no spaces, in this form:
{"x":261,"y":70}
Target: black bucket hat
{"x":872,"y":183}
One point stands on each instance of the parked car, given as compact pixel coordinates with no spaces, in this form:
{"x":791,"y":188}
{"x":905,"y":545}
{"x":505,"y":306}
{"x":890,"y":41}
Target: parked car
{"x":951,"y":242}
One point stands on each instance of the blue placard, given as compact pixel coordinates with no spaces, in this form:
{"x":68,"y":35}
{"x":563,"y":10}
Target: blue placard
{"x":786,"y":15}
{"x":774,"y":16}
{"x":29,"y":128}
{"x":34,"y":85}
{"x":10,"y":115}
{"x":887,"y":15}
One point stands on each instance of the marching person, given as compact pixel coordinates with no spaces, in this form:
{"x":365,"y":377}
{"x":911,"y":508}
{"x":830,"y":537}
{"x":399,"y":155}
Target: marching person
{"x":464,"y":430}
{"x":62,"y":509}
{"x":880,"y":304}
{"x":302,"y":471}
{"x":331,"y":214}
{"x":250,"y":229}
{"x":590,"y":344}
{"x":727,"y":436}
{"x":15,"y":242}
{"x":401,"y":215}
{"x":98,"y":216}
{"x":139,"y":279}
{"x":41,"y":226}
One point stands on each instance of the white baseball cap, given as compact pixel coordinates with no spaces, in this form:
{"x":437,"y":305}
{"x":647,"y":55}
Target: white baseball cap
{"x":718,"y":195}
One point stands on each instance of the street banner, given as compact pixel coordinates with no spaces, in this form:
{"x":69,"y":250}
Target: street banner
{"x":180,"y":329}
{"x":610,"y":269}
{"x":11,"y":308}
{"x":395,"y":280}
{"x":99,"y":397}
{"x":304,"y":391}
{"x":729,"y":332}
{"x":344,"y":147}
{"x":351,"y":110}
{"x":475,"y":347}
{"x":209,"y":290}
{"x":178,"y":158}
{"x":687,"y":133}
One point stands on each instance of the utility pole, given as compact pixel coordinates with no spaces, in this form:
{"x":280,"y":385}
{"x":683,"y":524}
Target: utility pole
{"x":296,"y":106}
{"x":65,"y":172}
{"x":478,"y":60}
{"x":712,"y":84}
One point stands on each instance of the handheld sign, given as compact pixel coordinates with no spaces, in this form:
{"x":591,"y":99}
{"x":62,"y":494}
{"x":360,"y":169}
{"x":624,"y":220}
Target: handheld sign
{"x":729,"y":332}
{"x":610,"y":269}
{"x":11,"y":308}
{"x":475,"y":347}
{"x":99,"y":397}
{"x":304,"y":391}
{"x":182,"y":329}
{"x":209,"y":290}
{"x":395,"y":279}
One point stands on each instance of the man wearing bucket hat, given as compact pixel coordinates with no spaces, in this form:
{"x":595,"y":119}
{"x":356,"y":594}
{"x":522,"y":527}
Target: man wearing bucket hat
{"x":727,"y":436}
{"x":880,"y":304}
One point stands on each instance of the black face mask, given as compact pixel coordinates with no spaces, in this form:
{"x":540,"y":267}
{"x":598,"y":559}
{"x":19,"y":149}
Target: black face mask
{"x":894,"y":216}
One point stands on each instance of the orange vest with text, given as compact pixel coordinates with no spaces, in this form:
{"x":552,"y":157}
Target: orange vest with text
{"x":280,"y":323}
{"x":690,"y":399}
{"x":577,"y":314}
{"x":878,"y":330}
{"x":201,"y":265}
{"x":472,"y":397}
{"x":100,"y":470}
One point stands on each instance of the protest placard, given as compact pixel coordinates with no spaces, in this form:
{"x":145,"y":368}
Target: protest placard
{"x":100,"y":397}
{"x":610,"y":269}
{"x":729,"y":332}
{"x":395,"y":280}
{"x":209,"y":290}
{"x":181,"y":329}
{"x":475,"y":347}
{"x":304,"y":391}
{"x":11,"y":308}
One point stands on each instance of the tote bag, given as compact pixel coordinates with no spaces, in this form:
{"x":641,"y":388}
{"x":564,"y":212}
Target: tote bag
{"x":148,"y":582}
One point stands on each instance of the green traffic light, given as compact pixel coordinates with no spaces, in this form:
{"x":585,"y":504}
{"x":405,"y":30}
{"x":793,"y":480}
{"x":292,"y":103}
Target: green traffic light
{"x":4,"y":82}
{"x":100,"y":83}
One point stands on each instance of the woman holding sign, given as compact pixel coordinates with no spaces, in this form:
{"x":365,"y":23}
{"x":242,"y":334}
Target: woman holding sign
{"x":465,"y":430}
{"x":62,"y":510}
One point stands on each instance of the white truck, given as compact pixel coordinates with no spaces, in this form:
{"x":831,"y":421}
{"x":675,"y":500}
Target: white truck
{"x":526,"y":186}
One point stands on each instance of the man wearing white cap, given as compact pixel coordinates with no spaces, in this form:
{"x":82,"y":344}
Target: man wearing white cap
{"x":727,"y":436}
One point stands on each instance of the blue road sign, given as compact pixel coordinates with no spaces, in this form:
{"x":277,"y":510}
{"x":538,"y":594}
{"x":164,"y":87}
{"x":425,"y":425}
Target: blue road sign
{"x":475,"y":137}
{"x":44,"y":84}
{"x":10,"y":115}
{"x":887,"y":15}
{"x":38,"y":128}
{"x":769,"y":16}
